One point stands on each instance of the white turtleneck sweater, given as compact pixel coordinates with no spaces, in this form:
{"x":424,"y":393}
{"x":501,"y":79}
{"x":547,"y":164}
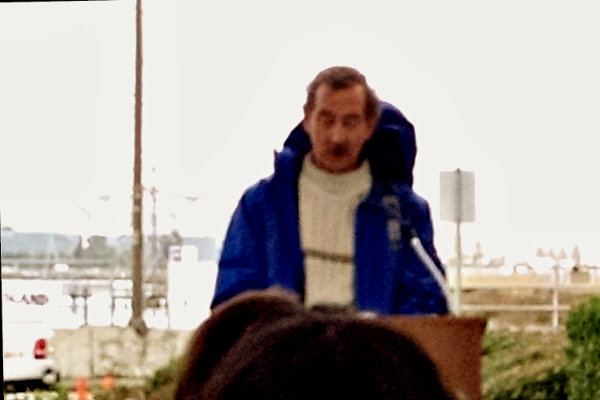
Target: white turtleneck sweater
{"x":327,"y":206}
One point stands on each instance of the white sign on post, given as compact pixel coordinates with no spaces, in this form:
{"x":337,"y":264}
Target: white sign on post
{"x":191,"y":286}
{"x":457,"y":196}
{"x":457,"y":204}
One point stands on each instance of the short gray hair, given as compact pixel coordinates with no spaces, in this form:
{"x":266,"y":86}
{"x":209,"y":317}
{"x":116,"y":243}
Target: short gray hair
{"x":338,"y":78}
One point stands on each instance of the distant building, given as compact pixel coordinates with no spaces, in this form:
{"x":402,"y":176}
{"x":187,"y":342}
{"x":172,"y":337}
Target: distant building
{"x":207,"y":247}
{"x":37,"y":244}
{"x":47,"y":244}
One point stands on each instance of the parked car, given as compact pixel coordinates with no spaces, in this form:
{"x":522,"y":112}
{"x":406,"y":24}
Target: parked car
{"x":26,"y":345}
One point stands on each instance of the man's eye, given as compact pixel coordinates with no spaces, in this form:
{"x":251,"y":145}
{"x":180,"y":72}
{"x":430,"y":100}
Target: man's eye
{"x":327,"y":121}
{"x":351,"y":122}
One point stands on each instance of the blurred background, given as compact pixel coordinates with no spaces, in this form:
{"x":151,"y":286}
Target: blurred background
{"x":509,"y":91}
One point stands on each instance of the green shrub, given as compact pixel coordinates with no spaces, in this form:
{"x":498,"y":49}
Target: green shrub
{"x":551,"y":386}
{"x":523,"y":366}
{"x":61,"y":389}
{"x":583,"y":353}
{"x":161,"y":385}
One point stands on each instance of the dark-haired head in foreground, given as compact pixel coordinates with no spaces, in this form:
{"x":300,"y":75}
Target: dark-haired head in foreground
{"x":242,"y":315}
{"x":315,"y":355}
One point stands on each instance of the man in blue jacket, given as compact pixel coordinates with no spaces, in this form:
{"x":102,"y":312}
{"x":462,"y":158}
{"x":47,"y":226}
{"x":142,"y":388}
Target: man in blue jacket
{"x":333,"y":223}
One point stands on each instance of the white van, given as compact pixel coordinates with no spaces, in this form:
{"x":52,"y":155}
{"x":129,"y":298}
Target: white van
{"x":26,"y":345}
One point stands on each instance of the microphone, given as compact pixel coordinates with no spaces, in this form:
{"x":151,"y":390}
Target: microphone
{"x":395,"y":222}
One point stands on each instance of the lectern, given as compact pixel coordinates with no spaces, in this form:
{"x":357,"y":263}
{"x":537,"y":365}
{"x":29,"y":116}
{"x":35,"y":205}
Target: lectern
{"x":453,"y":344}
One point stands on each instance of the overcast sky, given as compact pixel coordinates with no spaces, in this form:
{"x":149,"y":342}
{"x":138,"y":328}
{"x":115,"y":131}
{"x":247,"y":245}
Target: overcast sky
{"x":509,"y":90}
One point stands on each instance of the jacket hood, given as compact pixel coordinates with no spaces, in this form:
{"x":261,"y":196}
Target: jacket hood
{"x":391,"y":151}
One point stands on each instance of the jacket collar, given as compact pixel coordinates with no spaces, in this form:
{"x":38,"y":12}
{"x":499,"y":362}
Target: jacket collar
{"x":288,"y":164}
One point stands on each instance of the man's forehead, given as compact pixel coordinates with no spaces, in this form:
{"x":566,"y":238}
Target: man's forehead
{"x":327,"y":99}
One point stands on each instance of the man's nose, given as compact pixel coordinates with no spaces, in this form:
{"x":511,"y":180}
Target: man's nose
{"x":337,"y":134}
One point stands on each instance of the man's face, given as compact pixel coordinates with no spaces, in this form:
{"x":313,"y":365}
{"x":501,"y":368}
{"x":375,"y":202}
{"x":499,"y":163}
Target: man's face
{"x":338,"y":128}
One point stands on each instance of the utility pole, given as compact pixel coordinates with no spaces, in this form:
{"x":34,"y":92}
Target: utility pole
{"x":137,"y":302}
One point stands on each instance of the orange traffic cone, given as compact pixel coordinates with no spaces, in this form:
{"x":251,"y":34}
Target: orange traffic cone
{"x":82,"y":388}
{"x":108,"y":383}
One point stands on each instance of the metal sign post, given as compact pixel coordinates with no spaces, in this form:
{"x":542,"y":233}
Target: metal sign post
{"x":457,"y":204}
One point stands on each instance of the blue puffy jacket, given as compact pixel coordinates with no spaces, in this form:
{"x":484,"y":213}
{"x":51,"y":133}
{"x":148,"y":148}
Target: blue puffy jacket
{"x":262,"y":246}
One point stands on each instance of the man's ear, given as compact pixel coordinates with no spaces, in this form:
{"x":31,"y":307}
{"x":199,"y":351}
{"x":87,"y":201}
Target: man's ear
{"x":372,"y":127}
{"x":373,"y":124}
{"x":305,"y":124}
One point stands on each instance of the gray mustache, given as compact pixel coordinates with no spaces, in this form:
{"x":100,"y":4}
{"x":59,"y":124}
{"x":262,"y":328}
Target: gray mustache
{"x":339,"y":150}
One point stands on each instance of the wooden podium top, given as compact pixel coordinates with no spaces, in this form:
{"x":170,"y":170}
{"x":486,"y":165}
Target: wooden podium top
{"x":454,"y":345}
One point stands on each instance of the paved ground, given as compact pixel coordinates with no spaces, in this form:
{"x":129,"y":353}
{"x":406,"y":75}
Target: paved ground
{"x":32,"y":396}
